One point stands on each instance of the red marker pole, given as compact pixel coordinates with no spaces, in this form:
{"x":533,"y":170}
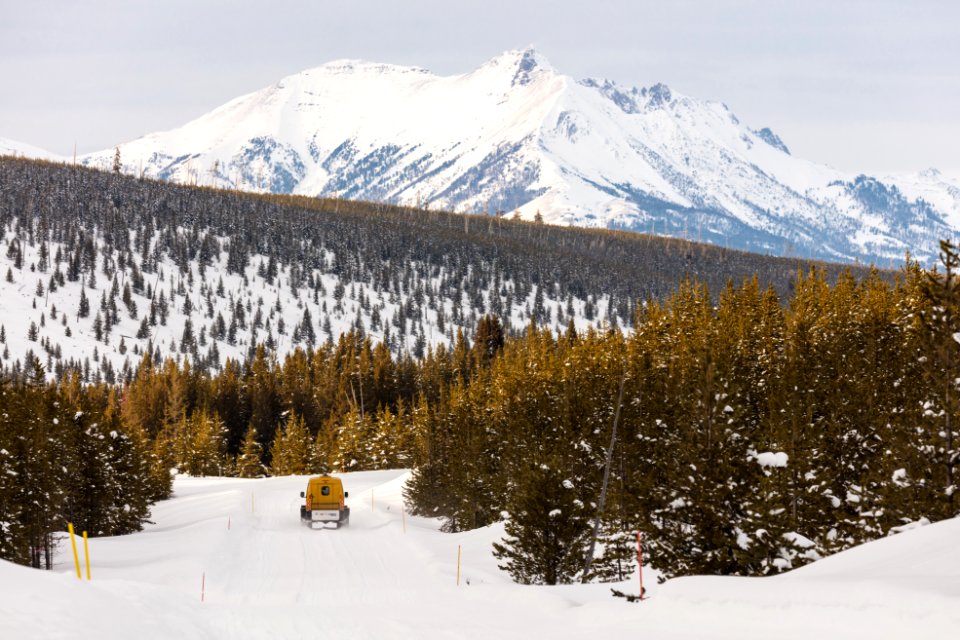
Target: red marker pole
{"x":640,"y":562}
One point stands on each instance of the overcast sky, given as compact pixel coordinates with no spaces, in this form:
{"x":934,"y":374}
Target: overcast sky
{"x":861,"y":85}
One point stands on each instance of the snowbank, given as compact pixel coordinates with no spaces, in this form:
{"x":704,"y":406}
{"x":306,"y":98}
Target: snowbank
{"x":390,"y":576}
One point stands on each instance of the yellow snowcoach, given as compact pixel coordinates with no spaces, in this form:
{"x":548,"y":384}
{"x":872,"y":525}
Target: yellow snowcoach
{"x":324,"y":504}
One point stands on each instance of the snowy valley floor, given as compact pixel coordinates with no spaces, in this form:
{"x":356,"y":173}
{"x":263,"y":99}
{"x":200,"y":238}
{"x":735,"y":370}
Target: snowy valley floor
{"x":267,"y":576}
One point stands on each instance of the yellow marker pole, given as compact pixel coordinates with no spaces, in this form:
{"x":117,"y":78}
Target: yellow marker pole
{"x":86,"y":553}
{"x":458,"y":565}
{"x":73,"y":543}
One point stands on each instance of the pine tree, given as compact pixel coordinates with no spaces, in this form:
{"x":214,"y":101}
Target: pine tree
{"x":98,"y":328}
{"x":489,"y":339}
{"x":354,"y":442}
{"x":941,"y":367}
{"x":249,"y":464}
{"x":163,"y":463}
{"x":39,"y":467}
{"x":143,"y":332}
{"x":128,"y":301}
{"x":547,"y":530}
{"x":263,"y":396}
{"x":307,"y":332}
{"x":14,"y":541}
{"x":86,"y":448}
{"x":292,"y":452}
{"x":320,"y":456}
{"x":207,"y":445}
{"x":188,"y":342}
{"x":618,"y":560}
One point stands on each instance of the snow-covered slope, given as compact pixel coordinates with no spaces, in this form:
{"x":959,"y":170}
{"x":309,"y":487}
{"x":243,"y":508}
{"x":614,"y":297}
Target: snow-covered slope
{"x":933,"y":187}
{"x":62,"y":337}
{"x":21,"y":149}
{"x":240,"y":545}
{"x":515,"y":135}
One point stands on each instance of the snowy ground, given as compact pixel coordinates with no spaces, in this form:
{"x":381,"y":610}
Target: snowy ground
{"x":267,"y":576}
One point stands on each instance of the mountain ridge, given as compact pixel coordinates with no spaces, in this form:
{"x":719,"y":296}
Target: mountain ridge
{"x":515,"y":136}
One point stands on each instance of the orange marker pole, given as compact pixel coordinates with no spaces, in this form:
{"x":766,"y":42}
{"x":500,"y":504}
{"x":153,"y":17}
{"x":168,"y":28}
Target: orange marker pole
{"x":458,"y":565}
{"x":86,"y":553}
{"x":73,"y":543}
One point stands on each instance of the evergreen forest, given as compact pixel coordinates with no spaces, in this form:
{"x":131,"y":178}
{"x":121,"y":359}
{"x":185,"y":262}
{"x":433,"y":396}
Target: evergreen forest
{"x":748,"y":419}
{"x":99,"y":268}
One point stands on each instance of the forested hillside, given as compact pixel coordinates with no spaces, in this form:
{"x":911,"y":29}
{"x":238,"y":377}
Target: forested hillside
{"x":759,"y":424}
{"x":97,"y":268}
{"x":754,"y":434}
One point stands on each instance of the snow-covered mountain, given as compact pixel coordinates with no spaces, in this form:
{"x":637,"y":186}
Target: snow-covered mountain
{"x":517,"y":136}
{"x":21,"y":149}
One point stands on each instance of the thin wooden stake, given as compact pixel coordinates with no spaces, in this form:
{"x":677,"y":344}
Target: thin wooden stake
{"x":640,"y":562}
{"x":588,"y":560}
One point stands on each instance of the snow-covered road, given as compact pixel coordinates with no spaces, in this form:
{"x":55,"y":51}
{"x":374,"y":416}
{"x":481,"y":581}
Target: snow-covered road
{"x":267,"y":576}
